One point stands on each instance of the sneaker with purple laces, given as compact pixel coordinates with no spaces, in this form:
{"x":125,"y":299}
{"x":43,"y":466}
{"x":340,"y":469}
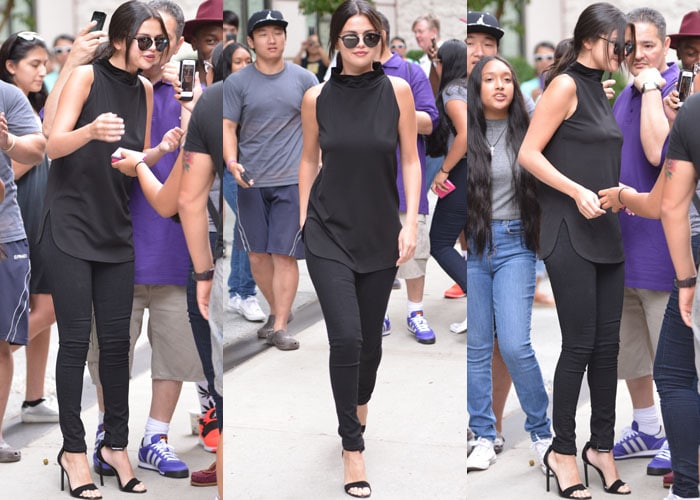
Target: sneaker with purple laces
{"x":635,"y":444}
{"x":386,"y":326}
{"x":159,"y":456}
{"x":418,"y":326}
{"x":661,"y":463}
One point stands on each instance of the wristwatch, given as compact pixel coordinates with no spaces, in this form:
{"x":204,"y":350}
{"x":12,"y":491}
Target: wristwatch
{"x":650,"y":86}
{"x":686,"y":283}
{"x":205,"y":276}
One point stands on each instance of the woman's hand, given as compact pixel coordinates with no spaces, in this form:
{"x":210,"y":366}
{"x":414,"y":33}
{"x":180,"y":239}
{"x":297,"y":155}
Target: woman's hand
{"x":407,"y":242}
{"x":130,"y":159}
{"x":588,"y":203}
{"x":439,"y":182}
{"x":171,"y":74}
{"x":685,"y":304}
{"x":107,"y":127}
{"x":611,"y":197}
{"x":171,"y":140}
{"x":608,"y":89}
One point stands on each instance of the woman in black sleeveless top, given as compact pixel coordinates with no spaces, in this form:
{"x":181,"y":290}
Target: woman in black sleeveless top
{"x":87,"y":236}
{"x":350,"y":216}
{"x":573,"y":147}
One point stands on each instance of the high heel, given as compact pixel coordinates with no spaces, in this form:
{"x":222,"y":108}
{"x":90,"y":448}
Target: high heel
{"x":613,"y":488}
{"x":128,"y":487}
{"x":76,"y":493}
{"x":568,"y":492}
{"x":356,"y":484}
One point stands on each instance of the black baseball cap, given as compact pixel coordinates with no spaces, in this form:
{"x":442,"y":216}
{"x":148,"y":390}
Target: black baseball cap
{"x":483,"y":22}
{"x":266,"y":17}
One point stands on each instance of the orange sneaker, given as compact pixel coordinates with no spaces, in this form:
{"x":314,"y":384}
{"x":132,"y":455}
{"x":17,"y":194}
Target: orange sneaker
{"x":455,"y":292}
{"x":209,"y":430}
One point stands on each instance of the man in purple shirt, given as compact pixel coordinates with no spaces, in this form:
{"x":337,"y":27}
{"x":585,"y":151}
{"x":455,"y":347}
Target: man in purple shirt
{"x":413,"y":271}
{"x":648,"y":268}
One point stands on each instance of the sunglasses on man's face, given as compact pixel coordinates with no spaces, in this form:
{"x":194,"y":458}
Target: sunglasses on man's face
{"x":544,"y":57}
{"x":145,"y":42}
{"x":370,"y":39}
{"x":61,"y":50}
{"x":398,"y":46}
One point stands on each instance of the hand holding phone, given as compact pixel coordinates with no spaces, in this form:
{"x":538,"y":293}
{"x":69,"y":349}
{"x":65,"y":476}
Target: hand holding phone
{"x":444,"y":192}
{"x":117,"y":155}
{"x":187,"y":70}
{"x":246,"y":178}
{"x":100,"y":17}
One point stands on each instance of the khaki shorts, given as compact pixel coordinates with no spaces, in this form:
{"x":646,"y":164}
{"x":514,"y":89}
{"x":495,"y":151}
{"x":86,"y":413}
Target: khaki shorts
{"x":640,"y":326}
{"x":415,"y":268}
{"x":173,"y":351}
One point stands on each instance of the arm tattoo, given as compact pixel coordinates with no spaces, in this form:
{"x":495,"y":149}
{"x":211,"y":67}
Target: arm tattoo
{"x":187,"y":160}
{"x":670,"y":167}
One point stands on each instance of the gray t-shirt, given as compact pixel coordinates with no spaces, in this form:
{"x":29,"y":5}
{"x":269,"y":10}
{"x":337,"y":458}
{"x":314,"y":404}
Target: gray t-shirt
{"x":454,"y":91}
{"x":503,"y":203}
{"x":21,"y":120}
{"x":268,"y":110}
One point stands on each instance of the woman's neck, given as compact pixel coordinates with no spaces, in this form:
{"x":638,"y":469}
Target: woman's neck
{"x":496,"y":114}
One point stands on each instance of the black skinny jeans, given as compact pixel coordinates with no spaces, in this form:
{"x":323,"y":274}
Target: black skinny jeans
{"x":353,"y":307}
{"x":589,"y":304}
{"x":79,"y":286}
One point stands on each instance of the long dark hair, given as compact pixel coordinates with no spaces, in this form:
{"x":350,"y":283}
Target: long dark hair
{"x":222,"y":67}
{"x":345,"y":11}
{"x":124,"y":25}
{"x":16,"y":48}
{"x":479,"y":173}
{"x":453,"y":55}
{"x":596,"y":20}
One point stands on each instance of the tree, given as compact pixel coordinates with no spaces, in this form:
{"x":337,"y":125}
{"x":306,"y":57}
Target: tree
{"x":9,"y":11}
{"x":320,"y":7}
{"x":498,"y":7}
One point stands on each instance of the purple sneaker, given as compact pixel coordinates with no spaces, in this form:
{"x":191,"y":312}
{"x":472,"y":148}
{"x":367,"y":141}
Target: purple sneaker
{"x":635,"y":444}
{"x":661,"y":463}
{"x":96,"y":464}
{"x":159,"y":456}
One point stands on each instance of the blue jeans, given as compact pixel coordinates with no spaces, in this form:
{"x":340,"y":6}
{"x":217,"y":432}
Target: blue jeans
{"x":432,"y":166}
{"x":240,"y":279}
{"x":501,"y":285}
{"x":677,"y":382}
{"x":449,"y":219}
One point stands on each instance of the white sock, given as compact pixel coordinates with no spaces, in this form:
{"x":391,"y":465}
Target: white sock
{"x":100,"y":417}
{"x":206,"y":401}
{"x":414,"y":306}
{"x":155,"y":427}
{"x":648,"y":420}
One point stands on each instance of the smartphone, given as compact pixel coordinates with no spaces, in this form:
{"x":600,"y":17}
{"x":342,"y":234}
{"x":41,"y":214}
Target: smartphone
{"x":442,"y":193}
{"x":231,"y":37}
{"x":246,"y":178}
{"x":117,"y":155}
{"x":187,"y":67}
{"x":685,"y":85}
{"x":100,"y":17}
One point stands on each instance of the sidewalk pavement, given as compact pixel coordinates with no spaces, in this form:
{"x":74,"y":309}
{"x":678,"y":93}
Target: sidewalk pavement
{"x":281,"y":427}
{"x":514,"y":477}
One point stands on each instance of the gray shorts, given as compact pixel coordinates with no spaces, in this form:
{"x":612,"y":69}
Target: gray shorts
{"x":14,"y":292}
{"x":415,"y":268}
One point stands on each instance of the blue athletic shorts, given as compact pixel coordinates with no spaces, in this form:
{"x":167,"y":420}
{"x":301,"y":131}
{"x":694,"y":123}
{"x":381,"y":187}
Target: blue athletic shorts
{"x":268,"y":221}
{"x":14,"y":292}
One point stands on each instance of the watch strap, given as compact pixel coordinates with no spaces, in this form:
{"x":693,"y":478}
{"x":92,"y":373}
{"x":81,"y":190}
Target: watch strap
{"x":685,"y":283}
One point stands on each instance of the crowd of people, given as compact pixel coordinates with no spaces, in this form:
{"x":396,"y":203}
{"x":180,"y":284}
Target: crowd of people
{"x":602,"y":193}
{"x":111,"y":205}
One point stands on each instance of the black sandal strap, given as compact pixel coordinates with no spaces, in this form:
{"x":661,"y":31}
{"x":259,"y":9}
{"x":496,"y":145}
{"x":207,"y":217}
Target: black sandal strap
{"x":81,"y":489}
{"x":570,"y":490}
{"x":615,"y":488}
{"x":129,"y":487}
{"x":358,"y":484}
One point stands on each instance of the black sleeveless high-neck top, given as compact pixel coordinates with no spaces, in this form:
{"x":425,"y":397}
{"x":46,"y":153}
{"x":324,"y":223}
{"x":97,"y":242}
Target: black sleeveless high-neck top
{"x":587,"y":149}
{"x":87,"y":199}
{"x":353,"y":214}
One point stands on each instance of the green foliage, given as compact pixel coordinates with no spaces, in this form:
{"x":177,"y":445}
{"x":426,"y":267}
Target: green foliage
{"x":414,"y":54}
{"x":498,"y":7}
{"x":319,"y":7}
{"x":523,"y":70}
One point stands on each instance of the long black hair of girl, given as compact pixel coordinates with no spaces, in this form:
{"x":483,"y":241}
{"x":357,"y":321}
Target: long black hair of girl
{"x":598,"y":20}
{"x":453,"y":56}
{"x":16,"y":48}
{"x":479,"y":172}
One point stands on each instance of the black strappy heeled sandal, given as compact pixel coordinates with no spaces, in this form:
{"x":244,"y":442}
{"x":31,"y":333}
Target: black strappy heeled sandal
{"x":356,"y":484}
{"x":126,"y":488}
{"x":568,"y":492}
{"x":614,"y":488}
{"x":76,"y":493}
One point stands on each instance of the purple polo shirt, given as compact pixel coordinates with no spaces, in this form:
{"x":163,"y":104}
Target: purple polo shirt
{"x":647,"y":261}
{"x":161,"y":256}
{"x":424,"y":101}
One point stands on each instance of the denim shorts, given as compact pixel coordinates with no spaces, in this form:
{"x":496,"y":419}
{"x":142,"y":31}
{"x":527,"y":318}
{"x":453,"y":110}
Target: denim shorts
{"x":268,"y":221}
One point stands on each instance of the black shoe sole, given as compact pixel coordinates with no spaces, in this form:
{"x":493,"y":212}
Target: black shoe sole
{"x":653,"y":471}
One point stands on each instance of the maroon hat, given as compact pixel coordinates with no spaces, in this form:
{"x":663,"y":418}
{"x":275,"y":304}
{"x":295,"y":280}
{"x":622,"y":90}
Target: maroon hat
{"x":690,"y":26}
{"x":209,"y":12}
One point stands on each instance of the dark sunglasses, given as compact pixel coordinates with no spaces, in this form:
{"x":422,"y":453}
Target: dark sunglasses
{"x":398,"y":46}
{"x":628,"y":47}
{"x":145,"y":42}
{"x":371,"y":39}
{"x":544,"y":57}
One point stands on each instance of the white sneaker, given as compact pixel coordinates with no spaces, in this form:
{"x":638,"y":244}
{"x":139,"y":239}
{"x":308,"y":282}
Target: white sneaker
{"x":234,"y":303}
{"x":44,"y":412}
{"x":250,"y":309}
{"x":541,"y":446}
{"x":459,"y":327}
{"x":672,"y":496}
{"x":482,"y":455}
